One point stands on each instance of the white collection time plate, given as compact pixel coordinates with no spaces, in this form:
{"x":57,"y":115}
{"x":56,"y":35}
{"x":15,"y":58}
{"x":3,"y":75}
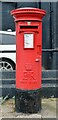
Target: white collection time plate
{"x":28,"y":40}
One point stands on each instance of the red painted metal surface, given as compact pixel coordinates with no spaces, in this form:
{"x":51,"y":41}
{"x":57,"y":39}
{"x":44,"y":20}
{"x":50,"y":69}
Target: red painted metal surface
{"x":28,"y":47}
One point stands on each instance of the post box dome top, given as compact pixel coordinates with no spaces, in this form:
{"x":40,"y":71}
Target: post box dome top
{"x":28,"y":14}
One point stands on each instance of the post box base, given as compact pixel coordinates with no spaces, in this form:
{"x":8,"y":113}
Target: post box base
{"x":28,"y":101}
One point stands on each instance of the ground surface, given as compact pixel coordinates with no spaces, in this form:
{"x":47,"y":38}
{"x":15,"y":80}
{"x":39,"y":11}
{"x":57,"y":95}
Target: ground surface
{"x":7,"y":110}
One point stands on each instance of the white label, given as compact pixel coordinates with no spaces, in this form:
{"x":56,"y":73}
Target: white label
{"x":28,"y":40}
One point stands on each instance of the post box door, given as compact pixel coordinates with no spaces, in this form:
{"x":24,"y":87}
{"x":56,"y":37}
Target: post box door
{"x":28,"y":61}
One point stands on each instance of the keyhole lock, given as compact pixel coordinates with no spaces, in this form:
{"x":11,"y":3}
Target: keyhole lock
{"x":37,"y":60}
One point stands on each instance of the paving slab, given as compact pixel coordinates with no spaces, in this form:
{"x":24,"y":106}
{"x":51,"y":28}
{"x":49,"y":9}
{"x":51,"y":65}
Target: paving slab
{"x":49,"y":109}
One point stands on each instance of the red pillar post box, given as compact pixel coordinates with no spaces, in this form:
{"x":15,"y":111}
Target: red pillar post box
{"x":28,"y":58}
